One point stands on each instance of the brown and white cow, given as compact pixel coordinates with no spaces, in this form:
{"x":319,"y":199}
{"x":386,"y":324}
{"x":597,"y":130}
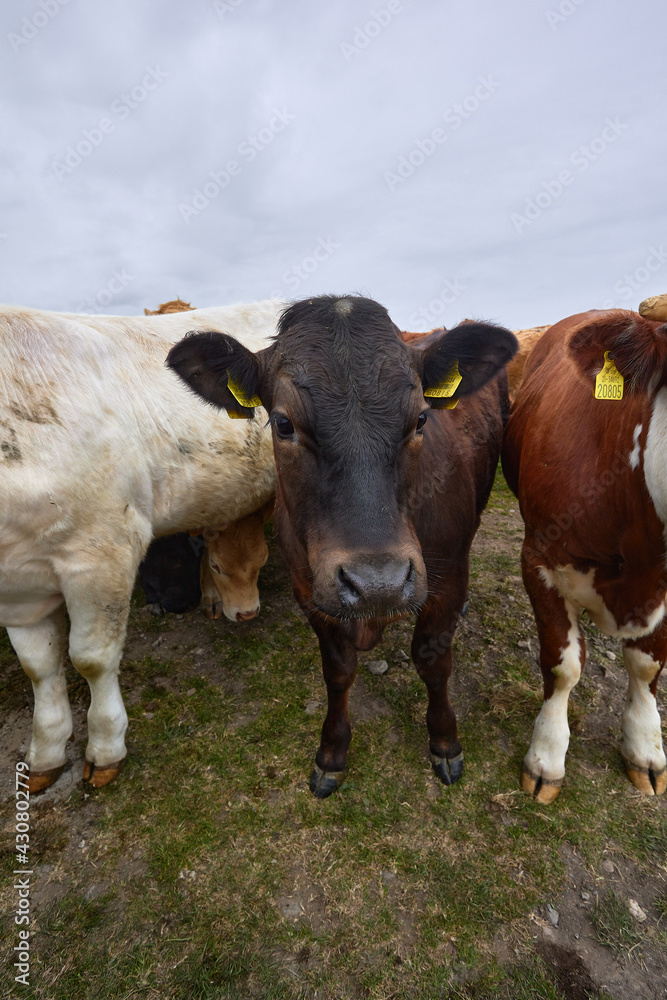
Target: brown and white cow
{"x":378,"y":496}
{"x":591,"y":478}
{"x":101,"y":448}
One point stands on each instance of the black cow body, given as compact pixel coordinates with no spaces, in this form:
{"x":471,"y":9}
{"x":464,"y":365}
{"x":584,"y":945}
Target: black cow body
{"x":170,"y":572}
{"x":378,"y":496}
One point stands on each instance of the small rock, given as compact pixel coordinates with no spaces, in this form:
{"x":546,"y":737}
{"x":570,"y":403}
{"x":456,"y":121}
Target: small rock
{"x":82,"y":843}
{"x":148,"y":715}
{"x":388,"y":877}
{"x":157,"y":641}
{"x":311,"y":707}
{"x":610,"y":656}
{"x":180,"y":617}
{"x":636,"y":910}
{"x":93,"y":892}
{"x":378,"y":666}
{"x":552,"y":915}
{"x":585,"y":895}
{"x":524,"y":644}
{"x":290,"y":908}
{"x":402,"y":656}
{"x":198,"y":651}
{"x":608,"y":866}
{"x":191,"y":691}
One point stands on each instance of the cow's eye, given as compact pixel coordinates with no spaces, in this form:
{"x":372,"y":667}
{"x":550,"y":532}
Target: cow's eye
{"x":421,"y":420}
{"x":284,"y":426}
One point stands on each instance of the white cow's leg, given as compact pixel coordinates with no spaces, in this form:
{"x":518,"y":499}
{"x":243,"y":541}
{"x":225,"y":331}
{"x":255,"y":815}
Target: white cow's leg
{"x":642,"y":748}
{"x":562,"y":656}
{"x":41,"y":652}
{"x":98,"y":617}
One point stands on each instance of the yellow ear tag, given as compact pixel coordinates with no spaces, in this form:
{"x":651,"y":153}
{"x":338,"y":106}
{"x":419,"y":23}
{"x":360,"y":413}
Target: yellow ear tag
{"x":609,"y":381}
{"x":239,"y":394}
{"x":447,"y":387}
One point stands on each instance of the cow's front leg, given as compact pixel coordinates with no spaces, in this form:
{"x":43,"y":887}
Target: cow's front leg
{"x":98,"y":616}
{"x":339,"y":665}
{"x":562,"y":657}
{"x":432,"y":656}
{"x":41,"y":652}
{"x":642,"y":748}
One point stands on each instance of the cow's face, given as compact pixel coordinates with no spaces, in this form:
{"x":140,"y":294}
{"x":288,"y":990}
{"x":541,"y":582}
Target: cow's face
{"x":234,"y":557}
{"x":346,"y":401}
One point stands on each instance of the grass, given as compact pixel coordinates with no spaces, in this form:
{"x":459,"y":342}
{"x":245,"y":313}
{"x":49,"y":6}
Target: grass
{"x":209,"y":871}
{"x":614,"y":926}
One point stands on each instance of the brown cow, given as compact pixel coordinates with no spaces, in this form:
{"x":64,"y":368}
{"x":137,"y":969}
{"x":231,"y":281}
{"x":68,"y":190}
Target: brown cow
{"x":591,"y":477}
{"x":376,"y":505}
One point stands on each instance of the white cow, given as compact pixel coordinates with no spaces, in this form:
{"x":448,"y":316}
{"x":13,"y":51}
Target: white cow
{"x":102,"y":447}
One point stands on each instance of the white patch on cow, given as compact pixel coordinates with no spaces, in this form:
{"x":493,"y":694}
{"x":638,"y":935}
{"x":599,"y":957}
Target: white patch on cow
{"x":579,"y":589}
{"x":551,"y":735}
{"x":635,"y":454}
{"x":642,"y":737}
{"x":655,"y":455}
{"x":344,"y":307}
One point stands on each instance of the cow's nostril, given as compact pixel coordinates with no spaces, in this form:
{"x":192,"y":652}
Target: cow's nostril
{"x":346,"y":588}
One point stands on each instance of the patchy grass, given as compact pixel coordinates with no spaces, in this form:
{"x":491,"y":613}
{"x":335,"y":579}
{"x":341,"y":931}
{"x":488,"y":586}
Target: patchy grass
{"x":614,"y":926}
{"x":207,"y":870}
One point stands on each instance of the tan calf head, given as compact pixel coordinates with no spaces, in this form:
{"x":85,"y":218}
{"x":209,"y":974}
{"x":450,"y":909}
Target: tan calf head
{"x":230,"y":567}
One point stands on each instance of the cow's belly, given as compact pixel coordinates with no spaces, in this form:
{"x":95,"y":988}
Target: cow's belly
{"x":579,"y":589}
{"x":29,"y":588}
{"x":21,"y":608}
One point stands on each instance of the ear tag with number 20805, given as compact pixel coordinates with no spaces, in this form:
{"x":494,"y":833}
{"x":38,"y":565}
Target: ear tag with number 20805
{"x":609,"y":381}
{"x":447,"y":387}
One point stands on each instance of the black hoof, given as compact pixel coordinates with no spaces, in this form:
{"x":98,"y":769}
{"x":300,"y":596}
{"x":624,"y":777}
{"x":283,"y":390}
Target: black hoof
{"x":464,"y":609}
{"x":323,"y":783}
{"x":448,"y":769}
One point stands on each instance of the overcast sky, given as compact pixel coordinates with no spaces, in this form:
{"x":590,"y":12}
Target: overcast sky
{"x":449,"y":158}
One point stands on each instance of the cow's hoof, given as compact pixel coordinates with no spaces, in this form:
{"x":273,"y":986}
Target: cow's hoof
{"x":323,"y":783}
{"x":448,"y":769}
{"x":542,"y":791}
{"x":647,"y":780}
{"x":40,"y":780}
{"x":101,"y":775}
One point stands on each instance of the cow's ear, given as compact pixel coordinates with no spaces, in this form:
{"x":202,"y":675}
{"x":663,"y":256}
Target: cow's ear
{"x":220,"y":370}
{"x":462,"y":360}
{"x":637,"y":348}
